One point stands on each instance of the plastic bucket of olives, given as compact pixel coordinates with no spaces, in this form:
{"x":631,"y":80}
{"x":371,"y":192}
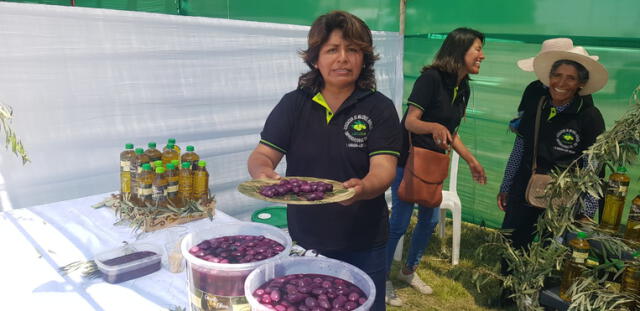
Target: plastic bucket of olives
{"x":309,"y":283}
{"x":220,"y":258}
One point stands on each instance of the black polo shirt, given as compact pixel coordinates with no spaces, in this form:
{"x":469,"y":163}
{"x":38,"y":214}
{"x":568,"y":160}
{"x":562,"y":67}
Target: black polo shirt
{"x":441,"y":101}
{"x":563,"y":135}
{"x":318,"y":143}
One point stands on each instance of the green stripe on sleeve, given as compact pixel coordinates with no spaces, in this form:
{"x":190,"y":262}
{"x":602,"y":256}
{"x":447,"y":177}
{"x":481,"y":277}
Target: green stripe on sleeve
{"x":391,"y":152}
{"x":262,"y":141}
{"x":415,"y":105}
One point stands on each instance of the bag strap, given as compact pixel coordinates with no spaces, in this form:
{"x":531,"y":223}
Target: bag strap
{"x":535,"y":136}
{"x":447,"y":151}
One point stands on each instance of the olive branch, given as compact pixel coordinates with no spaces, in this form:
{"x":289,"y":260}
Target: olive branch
{"x":11,"y":139}
{"x":533,"y":268}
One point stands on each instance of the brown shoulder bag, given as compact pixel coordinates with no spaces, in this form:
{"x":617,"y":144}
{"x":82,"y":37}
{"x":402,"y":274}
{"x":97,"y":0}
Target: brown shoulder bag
{"x":424,"y":173}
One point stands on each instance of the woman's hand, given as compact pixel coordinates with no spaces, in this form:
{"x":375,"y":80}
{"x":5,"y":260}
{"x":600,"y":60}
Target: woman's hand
{"x":477,"y":172}
{"x":268,"y":174}
{"x":502,"y":201}
{"x":441,"y":136}
{"x":358,"y":187}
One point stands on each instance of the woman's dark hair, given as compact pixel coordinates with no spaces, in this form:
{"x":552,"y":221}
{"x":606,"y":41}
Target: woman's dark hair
{"x":450,"y":56}
{"x":583,"y":73}
{"x":353,"y":30}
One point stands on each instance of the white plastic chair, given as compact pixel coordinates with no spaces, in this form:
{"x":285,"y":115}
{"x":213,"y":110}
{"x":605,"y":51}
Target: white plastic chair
{"x":450,"y":201}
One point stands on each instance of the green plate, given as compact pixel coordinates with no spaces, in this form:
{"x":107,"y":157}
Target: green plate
{"x":252,"y":187}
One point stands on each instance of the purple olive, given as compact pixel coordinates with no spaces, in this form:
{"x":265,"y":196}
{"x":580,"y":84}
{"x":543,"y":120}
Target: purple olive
{"x":350,"y":305}
{"x":305,"y":188}
{"x":275,"y":295}
{"x":354,"y":296}
{"x":310,"y":302}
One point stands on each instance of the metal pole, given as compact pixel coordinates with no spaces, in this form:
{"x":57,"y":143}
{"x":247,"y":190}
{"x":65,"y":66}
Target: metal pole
{"x":403,"y":10}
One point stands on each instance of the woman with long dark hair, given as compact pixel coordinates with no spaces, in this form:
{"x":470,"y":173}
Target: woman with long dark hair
{"x":436,"y":106}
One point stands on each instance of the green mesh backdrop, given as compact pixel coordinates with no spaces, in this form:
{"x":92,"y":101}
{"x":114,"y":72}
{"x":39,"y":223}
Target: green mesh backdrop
{"x":514,"y":30}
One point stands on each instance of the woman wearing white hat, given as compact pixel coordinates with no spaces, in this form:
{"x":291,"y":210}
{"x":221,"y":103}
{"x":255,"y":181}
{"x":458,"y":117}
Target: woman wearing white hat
{"x":569,"y":124}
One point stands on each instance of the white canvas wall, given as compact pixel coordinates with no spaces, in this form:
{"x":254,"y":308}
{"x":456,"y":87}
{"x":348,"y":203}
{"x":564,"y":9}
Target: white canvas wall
{"x":83,"y":82}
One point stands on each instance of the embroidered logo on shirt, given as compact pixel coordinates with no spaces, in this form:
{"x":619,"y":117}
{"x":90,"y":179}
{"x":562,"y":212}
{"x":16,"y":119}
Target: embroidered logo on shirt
{"x":567,"y":139}
{"x":357,"y":129}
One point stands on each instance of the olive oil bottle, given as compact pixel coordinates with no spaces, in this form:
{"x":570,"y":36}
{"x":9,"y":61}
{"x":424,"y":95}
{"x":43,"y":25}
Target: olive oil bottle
{"x":575,"y":264}
{"x":190,"y":156}
{"x":169,"y":154}
{"x":200,"y":182}
{"x":126,"y":157}
{"x":172,"y":141}
{"x":631,"y":278}
{"x":159,"y":187}
{"x":153,"y":153}
{"x":614,"y":200}
{"x":145,"y":184}
{"x":172,"y":183}
{"x":136,"y":168}
{"x":633,"y":222}
{"x":185,"y":182}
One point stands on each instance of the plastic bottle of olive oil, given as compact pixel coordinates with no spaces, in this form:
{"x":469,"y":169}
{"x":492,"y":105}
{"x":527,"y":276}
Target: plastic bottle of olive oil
{"x":614,"y":200}
{"x":169,"y":154}
{"x":631,"y":278}
{"x":200,"y":182}
{"x":172,"y":183}
{"x":136,"y":168}
{"x":153,"y":153}
{"x":575,"y":264}
{"x":159,"y":187}
{"x":125,"y":170}
{"x":190,"y":156}
{"x":145,"y":184}
{"x":185,"y":182}
{"x":172,"y":141}
{"x":633,"y":222}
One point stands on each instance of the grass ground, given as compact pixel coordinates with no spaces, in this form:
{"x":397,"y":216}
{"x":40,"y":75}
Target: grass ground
{"x":453,"y":288}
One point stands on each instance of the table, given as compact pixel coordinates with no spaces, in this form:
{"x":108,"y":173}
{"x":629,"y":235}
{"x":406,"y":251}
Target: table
{"x":36,"y":241}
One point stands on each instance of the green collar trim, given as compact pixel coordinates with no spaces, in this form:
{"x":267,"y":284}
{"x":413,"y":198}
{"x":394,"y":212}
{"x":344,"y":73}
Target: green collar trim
{"x":318,"y":98}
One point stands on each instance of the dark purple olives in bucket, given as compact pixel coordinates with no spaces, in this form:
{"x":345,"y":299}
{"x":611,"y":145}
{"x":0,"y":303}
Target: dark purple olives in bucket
{"x":309,"y":291}
{"x":236,"y":249}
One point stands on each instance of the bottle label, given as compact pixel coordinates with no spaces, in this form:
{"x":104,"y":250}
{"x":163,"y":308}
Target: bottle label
{"x":145,"y":191}
{"x":634,"y":213}
{"x":579,"y":256}
{"x":172,"y":188}
{"x":159,"y":193}
{"x":125,"y":166}
{"x":618,"y":188}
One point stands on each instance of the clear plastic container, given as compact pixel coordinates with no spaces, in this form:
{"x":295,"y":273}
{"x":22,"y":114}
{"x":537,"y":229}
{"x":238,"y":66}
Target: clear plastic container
{"x":129,"y":262}
{"x":220,"y":286}
{"x":313,"y":265}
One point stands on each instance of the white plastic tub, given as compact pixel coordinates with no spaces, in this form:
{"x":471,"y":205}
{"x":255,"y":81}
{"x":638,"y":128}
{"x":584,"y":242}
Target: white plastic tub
{"x":220,"y":286}
{"x":312,"y":265}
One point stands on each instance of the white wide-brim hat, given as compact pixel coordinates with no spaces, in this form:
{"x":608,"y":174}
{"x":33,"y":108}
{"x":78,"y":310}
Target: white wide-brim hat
{"x":598,"y":75}
{"x":555,"y":44}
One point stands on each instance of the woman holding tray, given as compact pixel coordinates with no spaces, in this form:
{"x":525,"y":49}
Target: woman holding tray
{"x":335,"y":125}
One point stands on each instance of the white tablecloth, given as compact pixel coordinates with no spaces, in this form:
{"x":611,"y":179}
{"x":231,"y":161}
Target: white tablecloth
{"x":36,"y":241}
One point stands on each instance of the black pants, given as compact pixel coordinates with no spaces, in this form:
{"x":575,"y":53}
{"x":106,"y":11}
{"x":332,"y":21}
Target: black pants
{"x":522,"y":219}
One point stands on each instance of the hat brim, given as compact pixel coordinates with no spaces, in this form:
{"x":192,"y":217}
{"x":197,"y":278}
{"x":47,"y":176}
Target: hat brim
{"x":598,"y":75}
{"x":526,"y":64}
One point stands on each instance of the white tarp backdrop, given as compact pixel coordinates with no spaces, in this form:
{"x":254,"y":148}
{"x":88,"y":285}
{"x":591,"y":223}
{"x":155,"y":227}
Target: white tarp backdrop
{"x":83,"y":82}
